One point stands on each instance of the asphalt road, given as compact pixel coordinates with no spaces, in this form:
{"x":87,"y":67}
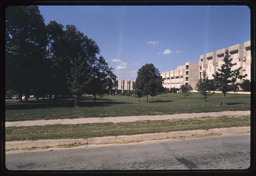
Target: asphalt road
{"x":226,"y":152}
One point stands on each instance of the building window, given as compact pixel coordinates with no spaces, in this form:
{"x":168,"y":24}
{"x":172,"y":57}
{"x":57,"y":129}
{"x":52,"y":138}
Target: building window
{"x":187,"y":67}
{"x":186,"y":78}
{"x":234,"y":52}
{"x":186,"y":72}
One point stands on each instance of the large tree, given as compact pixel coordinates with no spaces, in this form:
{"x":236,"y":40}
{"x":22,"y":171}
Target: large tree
{"x":26,"y":42}
{"x":226,"y":77}
{"x":101,"y":79}
{"x":148,"y":81}
{"x":81,"y":54}
{"x":57,"y":56}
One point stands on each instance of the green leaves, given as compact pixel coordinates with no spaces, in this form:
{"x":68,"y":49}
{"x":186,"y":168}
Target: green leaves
{"x":226,"y":78}
{"x":203,"y":85}
{"x":50,"y":59}
{"x":26,"y":41}
{"x":148,"y":81}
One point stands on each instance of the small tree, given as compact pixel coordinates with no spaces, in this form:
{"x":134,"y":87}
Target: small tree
{"x":226,"y":78}
{"x":174,"y":90}
{"x":137,"y":91}
{"x":185,"y":88}
{"x":203,"y":86}
{"x":246,"y":85}
{"x":148,"y":81}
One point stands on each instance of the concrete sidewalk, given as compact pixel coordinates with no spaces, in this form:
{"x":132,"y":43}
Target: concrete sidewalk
{"x":120,"y":119}
{"x":20,"y":146}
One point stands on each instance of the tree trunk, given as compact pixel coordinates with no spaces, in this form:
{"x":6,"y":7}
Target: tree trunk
{"x":94,"y":99}
{"x":26,"y":98}
{"x":224,"y":99}
{"x":75,"y":102}
{"x":50,"y":98}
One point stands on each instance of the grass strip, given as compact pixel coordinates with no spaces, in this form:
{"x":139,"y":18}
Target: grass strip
{"x":129,"y":128}
{"x":112,"y":106}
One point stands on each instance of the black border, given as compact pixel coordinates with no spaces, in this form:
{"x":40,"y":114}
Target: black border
{"x":5,"y":3}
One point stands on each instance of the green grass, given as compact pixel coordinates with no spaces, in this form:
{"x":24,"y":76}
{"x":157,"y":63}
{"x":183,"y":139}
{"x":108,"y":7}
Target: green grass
{"x":111,"y":129}
{"x":111,"y":106}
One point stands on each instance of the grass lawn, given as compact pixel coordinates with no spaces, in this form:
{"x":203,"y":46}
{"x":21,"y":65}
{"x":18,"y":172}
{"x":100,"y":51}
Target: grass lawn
{"x":111,"y":129}
{"x":111,"y":106}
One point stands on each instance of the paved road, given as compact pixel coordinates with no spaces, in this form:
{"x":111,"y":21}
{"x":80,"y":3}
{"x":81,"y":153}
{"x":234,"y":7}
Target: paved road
{"x":120,"y":119}
{"x":226,"y":152}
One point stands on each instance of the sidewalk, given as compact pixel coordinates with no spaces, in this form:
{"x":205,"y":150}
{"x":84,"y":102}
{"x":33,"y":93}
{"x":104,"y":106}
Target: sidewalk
{"x":120,"y":119}
{"x":21,"y":146}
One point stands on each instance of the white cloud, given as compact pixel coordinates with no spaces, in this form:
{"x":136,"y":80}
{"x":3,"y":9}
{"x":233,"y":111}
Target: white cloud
{"x":116,"y":60}
{"x":122,"y":66}
{"x":167,"y":51}
{"x":153,"y":42}
{"x":136,"y":63}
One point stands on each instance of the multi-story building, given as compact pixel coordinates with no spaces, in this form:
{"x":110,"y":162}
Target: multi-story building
{"x":186,"y":74}
{"x":124,"y":86}
{"x":190,"y":73}
{"x":240,"y":53}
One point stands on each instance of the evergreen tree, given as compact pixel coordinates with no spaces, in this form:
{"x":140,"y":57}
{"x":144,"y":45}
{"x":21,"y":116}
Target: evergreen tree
{"x":226,"y":78}
{"x":203,"y":86}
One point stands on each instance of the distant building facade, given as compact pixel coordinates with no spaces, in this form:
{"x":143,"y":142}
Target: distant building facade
{"x":240,"y":53}
{"x":186,"y":74}
{"x":124,"y":86}
{"x":190,"y":73}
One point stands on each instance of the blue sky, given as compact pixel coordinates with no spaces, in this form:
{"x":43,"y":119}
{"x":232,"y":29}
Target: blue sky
{"x":167,"y":36}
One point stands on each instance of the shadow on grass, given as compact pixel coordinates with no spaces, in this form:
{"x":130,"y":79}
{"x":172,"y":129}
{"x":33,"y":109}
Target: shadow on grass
{"x":234,"y":103}
{"x":160,"y":101}
{"x":61,"y":103}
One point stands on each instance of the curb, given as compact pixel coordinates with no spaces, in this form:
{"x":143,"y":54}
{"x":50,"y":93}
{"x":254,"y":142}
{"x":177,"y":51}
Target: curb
{"x":122,"y":139}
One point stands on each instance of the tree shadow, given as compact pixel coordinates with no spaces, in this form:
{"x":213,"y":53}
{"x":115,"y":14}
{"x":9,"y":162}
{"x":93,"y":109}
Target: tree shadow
{"x":160,"y":101}
{"x":234,"y":103}
{"x":62,"y":103}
